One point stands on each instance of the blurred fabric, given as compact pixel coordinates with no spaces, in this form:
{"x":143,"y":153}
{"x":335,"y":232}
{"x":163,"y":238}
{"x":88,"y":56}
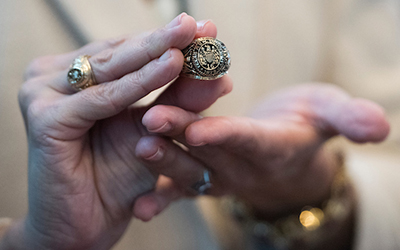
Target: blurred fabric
{"x":274,"y":44}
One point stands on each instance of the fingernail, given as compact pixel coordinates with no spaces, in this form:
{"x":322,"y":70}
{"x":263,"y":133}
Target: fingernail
{"x":176,"y":21}
{"x":166,"y":127}
{"x":158,"y":155}
{"x":202,"y":24}
{"x":198,"y":144}
{"x":165,"y":56}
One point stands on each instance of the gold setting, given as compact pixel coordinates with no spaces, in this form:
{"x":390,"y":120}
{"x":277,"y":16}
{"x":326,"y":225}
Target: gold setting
{"x":80,"y":75}
{"x":206,"y":58}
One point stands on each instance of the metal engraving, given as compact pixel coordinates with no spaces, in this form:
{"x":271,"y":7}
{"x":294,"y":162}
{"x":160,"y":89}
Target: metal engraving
{"x":206,"y":58}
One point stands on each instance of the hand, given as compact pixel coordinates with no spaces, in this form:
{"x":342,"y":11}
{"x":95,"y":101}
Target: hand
{"x":274,"y":160}
{"x":83,"y":173}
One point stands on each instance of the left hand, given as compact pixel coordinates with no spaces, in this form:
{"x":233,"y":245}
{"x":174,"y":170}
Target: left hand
{"x":274,"y":160}
{"x":83,"y":174}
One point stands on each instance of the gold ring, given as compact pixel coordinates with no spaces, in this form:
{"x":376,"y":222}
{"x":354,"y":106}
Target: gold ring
{"x":206,"y":58}
{"x":80,"y":75}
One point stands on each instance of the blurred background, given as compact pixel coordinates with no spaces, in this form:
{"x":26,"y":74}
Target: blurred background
{"x":274,"y":44}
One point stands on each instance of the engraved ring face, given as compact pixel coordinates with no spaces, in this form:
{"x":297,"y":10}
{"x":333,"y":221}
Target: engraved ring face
{"x":206,"y":58}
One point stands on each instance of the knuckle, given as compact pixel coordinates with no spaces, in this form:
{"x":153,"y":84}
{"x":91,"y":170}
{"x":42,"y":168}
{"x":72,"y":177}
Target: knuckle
{"x":102,"y":96}
{"x":37,"y":67}
{"x":101,"y":64}
{"x":152,"y":43}
{"x":103,"y":57}
{"x":115,"y":42}
{"x":26,"y":93}
{"x":138,"y":80}
{"x":36,"y":109}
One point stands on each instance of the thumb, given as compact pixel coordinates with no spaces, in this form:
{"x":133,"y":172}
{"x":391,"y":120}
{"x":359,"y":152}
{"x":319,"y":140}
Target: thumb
{"x":359,"y":120}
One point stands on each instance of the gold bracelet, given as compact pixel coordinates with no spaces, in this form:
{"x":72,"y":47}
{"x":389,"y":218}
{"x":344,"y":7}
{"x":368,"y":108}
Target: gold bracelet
{"x":309,"y":228}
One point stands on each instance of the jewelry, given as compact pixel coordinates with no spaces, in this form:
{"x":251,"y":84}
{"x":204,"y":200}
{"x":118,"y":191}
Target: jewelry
{"x":201,"y":186}
{"x":311,"y":227}
{"x":206,"y":58}
{"x":80,"y":74}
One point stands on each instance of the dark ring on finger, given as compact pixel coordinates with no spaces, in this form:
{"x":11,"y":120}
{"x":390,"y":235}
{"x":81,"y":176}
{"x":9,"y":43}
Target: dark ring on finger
{"x":202,"y":185}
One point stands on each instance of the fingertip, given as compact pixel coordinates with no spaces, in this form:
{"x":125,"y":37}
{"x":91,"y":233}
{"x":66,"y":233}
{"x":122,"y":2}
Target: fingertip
{"x":203,"y":132}
{"x":150,"y":148}
{"x":194,"y":95}
{"x":228,"y":86}
{"x":189,"y":28}
{"x":145,"y":208}
{"x":217,"y":130}
{"x":155,"y":120}
{"x":366,"y":122}
{"x":194,"y":135}
{"x":177,"y":55}
{"x":206,"y":28}
{"x":172,"y":61}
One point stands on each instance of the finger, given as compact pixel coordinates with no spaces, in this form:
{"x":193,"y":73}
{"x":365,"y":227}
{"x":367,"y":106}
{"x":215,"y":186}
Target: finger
{"x":130,"y":56}
{"x":221,"y":130}
{"x":194,"y":95}
{"x":173,"y":121}
{"x":335,"y":112}
{"x":105,"y":100}
{"x":166,"y":158}
{"x":168,"y":120}
{"x":359,"y":120}
{"x":331,"y":110}
{"x":206,"y":28}
{"x":50,"y":64}
{"x":153,"y":203}
{"x":53,"y":63}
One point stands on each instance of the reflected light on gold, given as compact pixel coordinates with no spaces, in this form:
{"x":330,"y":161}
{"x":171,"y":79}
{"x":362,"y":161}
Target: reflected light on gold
{"x":311,"y":219}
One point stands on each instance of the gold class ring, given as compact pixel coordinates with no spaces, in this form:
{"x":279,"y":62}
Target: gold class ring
{"x":206,"y":58}
{"x":80,"y":75}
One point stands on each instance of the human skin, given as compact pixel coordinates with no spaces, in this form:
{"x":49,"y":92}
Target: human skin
{"x":275,"y":159}
{"x":83,"y":173}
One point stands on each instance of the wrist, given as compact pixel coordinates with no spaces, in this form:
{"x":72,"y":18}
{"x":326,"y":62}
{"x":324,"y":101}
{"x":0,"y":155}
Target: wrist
{"x":310,"y":185}
{"x":328,"y":225}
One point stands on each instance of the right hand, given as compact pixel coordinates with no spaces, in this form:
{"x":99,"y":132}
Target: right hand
{"x":83,"y":173}
{"x":274,"y":160}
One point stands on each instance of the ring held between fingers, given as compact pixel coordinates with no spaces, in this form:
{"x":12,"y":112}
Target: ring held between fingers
{"x":107,"y":99}
{"x":132,"y":55}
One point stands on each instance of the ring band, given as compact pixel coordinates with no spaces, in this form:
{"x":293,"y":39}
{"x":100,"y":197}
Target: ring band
{"x":201,"y":186}
{"x":206,"y":58}
{"x":80,"y":75}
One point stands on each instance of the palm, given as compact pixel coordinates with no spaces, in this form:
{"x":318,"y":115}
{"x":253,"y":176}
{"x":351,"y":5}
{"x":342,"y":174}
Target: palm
{"x":119,"y":176}
{"x":93,"y":174}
